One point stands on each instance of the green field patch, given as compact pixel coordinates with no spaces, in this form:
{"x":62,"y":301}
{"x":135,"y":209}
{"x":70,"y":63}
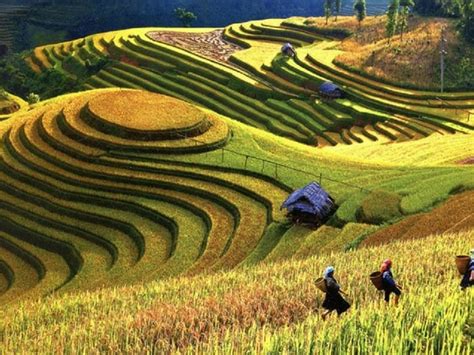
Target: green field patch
{"x":289,"y":243}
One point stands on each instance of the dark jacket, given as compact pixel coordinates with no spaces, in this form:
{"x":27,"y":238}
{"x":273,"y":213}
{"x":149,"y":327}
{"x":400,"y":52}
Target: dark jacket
{"x":334,"y":300}
{"x":387,"y":280}
{"x":465,"y":282}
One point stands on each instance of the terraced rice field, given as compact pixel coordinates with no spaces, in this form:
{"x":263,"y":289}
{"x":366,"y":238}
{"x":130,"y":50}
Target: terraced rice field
{"x":271,"y":308}
{"x":65,"y":206}
{"x":119,"y":186}
{"x":259,"y":87}
{"x":123,"y":205}
{"x":10,"y":17}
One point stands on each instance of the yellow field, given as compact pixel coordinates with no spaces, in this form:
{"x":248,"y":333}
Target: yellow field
{"x":434,"y":150}
{"x":368,"y":48}
{"x":143,"y":214}
{"x":270,"y":308}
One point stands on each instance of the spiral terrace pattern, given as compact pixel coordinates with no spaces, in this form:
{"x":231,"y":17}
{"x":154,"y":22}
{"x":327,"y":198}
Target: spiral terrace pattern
{"x":74,"y":217}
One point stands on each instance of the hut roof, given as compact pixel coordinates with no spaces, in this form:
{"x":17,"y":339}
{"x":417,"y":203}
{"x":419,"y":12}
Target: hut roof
{"x":329,"y":87}
{"x":310,"y":199}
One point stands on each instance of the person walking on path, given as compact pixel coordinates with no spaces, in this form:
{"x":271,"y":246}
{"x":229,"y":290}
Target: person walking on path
{"x":388,"y":282}
{"x":468,"y":277}
{"x":333,"y":300}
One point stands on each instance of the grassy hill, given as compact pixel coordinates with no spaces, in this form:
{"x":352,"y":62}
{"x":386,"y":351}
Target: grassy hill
{"x":271,"y":308}
{"x":114,"y":186}
{"x":411,"y":60}
{"x":141,"y":205}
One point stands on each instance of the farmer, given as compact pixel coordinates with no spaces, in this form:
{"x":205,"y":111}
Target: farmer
{"x":468,"y":277}
{"x":333,"y":300}
{"x":288,"y":50}
{"x":389,"y":284}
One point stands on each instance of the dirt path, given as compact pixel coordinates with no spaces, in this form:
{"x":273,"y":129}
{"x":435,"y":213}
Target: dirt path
{"x":208,"y":44}
{"x":454,"y":215}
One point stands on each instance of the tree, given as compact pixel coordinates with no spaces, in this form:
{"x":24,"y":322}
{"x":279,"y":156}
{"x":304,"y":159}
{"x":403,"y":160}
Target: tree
{"x":403,"y":17}
{"x":184,"y":16}
{"x":360,"y":9}
{"x":3,"y":94}
{"x":438,"y":7}
{"x":327,"y":9}
{"x":33,"y":98}
{"x":338,"y":8}
{"x":392,"y":19}
{"x":466,"y":24}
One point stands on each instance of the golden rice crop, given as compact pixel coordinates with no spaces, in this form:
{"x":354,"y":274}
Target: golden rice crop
{"x":217,"y":132}
{"x":269,"y":308}
{"x":434,"y":150}
{"x":144,"y":111}
{"x":452,"y":216}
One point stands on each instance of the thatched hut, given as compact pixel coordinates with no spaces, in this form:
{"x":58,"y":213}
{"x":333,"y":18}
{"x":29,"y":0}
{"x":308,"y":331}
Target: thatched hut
{"x":309,"y":205}
{"x":330,"y":90}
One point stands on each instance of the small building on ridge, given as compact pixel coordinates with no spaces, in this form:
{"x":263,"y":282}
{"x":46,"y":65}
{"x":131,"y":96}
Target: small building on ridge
{"x":330,"y":90}
{"x":309,"y":205}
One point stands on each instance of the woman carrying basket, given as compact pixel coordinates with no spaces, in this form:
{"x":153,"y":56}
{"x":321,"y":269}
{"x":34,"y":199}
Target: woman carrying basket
{"x":333,"y":300}
{"x":468,"y":277}
{"x":388,"y":282}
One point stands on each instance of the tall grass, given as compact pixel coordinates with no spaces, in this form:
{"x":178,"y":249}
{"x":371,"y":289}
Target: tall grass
{"x":272,"y":308}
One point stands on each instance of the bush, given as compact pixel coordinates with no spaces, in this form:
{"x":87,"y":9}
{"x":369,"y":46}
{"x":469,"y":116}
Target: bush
{"x":19,"y":79}
{"x":3,"y":94}
{"x":379,"y":207}
{"x":33,"y":98}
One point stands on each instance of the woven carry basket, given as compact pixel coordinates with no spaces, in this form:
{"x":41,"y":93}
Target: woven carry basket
{"x":376,"y":278}
{"x":321,"y":284}
{"x":462,"y":262}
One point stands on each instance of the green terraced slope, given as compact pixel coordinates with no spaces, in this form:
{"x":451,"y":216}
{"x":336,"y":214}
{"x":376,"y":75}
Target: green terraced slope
{"x":64,"y":205}
{"x":267,"y":91}
{"x":117,"y":186}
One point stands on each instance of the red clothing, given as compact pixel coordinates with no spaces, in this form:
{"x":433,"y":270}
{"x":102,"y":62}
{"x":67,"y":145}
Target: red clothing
{"x":386,"y":265}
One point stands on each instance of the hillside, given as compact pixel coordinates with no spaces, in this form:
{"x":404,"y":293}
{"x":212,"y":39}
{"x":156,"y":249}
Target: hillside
{"x":105,"y":197}
{"x":368,"y":50}
{"x":146,"y":206}
{"x":270,"y":308}
{"x":180,"y":189}
{"x":44,"y":22}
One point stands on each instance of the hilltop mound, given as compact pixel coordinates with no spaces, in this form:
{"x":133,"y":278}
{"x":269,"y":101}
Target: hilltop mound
{"x":138,"y":120}
{"x":145,"y":113}
{"x":74,"y":200}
